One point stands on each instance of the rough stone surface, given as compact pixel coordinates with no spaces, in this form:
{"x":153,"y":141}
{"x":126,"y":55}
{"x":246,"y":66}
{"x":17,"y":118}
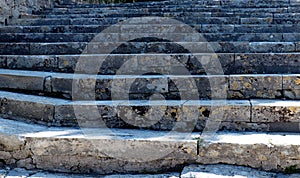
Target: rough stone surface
{"x":220,"y":111}
{"x":11,"y":8}
{"x":240,"y":37}
{"x":291,"y":86}
{"x":102,"y":151}
{"x":275,"y":111}
{"x":257,"y":150}
{"x":157,"y":114}
{"x":254,"y":86}
{"x":123,"y":87}
{"x":227,"y":171}
{"x":23,"y":107}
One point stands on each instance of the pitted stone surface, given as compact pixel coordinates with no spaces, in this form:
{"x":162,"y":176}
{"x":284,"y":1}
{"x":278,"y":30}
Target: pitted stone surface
{"x":275,"y":111}
{"x":248,"y":37}
{"x":242,"y":115}
{"x":291,"y":86}
{"x":266,"y":151}
{"x":227,"y":171}
{"x":123,"y":87}
{"x":255,"y":86}
{"x":220,"y":111}
{"x":102,"y":151}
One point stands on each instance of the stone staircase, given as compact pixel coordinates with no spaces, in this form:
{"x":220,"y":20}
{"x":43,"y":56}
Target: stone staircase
{"x":152,"y":87}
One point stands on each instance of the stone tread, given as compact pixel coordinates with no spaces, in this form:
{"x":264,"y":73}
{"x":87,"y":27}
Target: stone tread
{"x":266,"y":151}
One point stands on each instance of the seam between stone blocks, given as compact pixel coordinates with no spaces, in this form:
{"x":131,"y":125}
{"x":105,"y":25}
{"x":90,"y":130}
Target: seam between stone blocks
{"x":251,"y":111}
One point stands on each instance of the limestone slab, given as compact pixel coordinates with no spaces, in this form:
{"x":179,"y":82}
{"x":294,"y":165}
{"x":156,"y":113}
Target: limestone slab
{"x":255,"y":86}
{"x":275,"y":111}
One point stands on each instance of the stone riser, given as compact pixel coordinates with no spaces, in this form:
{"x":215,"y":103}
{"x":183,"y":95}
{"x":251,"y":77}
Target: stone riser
{"x":276,"y":63}
{"x":204,"y":28}
{"x":211,"y":37}
{"x":146,"y":47}
{"x":253,"y":115}
{"x":125,"y":151}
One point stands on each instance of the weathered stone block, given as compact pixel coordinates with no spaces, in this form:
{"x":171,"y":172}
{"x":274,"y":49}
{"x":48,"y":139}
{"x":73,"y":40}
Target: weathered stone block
{"x":265,"y":63}
{"x":222,"y":170}
{"x":267,"y":20}
{"x":46,"y":63}
{"x":57,"y":48}
{"x":291,"y":86}
{"x":88,"y":114}
{"x":30,"y":108}
{"x":212,"y":28}
{"x":219,"y":111}
{"x":232,"y":47}
{"x":274,"y":47}
{"x":14,"y":48}
{"x":25,"y":81}
{"x":255,"y":28}
{"x":275,"y":111}
{"x":255,"y":86}
{"x":246,"y":126}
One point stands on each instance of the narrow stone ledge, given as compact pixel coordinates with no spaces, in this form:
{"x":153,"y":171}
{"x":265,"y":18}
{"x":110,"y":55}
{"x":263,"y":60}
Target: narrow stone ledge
{"x":25,"y":80}
{"x":27,"y":107}
{"x":274,"y":152}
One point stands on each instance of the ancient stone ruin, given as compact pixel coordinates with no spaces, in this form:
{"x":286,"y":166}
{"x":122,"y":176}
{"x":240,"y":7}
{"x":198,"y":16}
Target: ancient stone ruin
{"x":189,"y":88}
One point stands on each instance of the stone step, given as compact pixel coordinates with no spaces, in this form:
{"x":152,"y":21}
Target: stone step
{"x":166,"y":14}
{"x":185,"y":19}
{"x":270,"y":3}
{"x":179,"y":115}
{"x":230,"y":63}
{"x":146,"y":47}
{"x":183,"y":37}
{"x":204,"y":28}
{"x":81,"y":4}
{"x":190,"y":8}
{"x":75,"y":151}
{"x":136,"y":87}
{"x":102,"y":151}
